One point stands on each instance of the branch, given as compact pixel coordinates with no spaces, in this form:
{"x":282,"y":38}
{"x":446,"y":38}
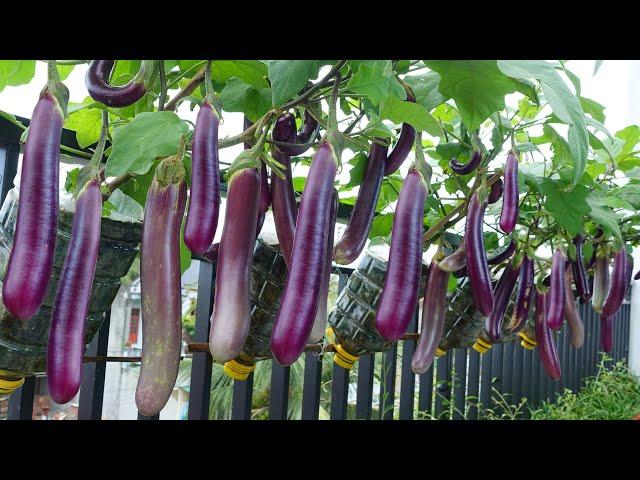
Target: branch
{"x":197,"y":79}
{"x":332,"y":73}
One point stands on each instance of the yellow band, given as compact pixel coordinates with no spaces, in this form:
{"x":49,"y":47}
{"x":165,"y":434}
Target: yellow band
{"x":9,"y":386}
{"x":526,"y":345}
{"x":481,"y":346}
{"x":344,"y":359}
{"x":527,"y":339}
{"x":439,"y":352}
{"x":331,"y":337}
{"x":237,"y":370}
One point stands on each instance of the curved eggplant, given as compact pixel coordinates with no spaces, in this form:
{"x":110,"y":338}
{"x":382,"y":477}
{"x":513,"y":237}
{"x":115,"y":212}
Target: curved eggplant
{"x":600,"y":282}
{"x":496,"y":191}
{"x":503,"y":255}
{"x":97,"y":83}
{"x":579,"y":271}
{"x":617,"y":286}
{"x":509,"y":215}
{"x":544,"y":339}
{"x":403,"y":146}
{"x":355,"y":235}
{"x":299,"y":303}
{"x":466,"y":168}
{"x":231,"y":314}
{"x":556,"y":296}
{"x":502,"y":294}
{"x":525,"y":296}
{"x":399,"y":295}
{"x":571,"y":313}
{"x":433,"y":312}
{"x":606,"y":333}
{"x":65,"y":346}
{"x":476,"y":257}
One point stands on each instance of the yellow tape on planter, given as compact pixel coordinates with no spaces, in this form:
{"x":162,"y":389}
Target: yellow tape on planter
{"x":9,"y":386}
{"x":237,"y":370}
{"x":527,"y":342}
{"x":439,"y":352}
{"x":481,"y":346}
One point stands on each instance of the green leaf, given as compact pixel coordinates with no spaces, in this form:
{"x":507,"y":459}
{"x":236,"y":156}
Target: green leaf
{"x":593,"y":108}
{"x":87,"y":122}
{"x":238,"y":96}
{"x":138,"y":186}
{"x":477,"y":86}
{"x":616,"y":202}
{"x":399,"y":111}
{"x":252,"y":72}
{"x":377,"y":81}
{"x":122,"y":207}
{"x":630,"y":193}
{"x":603,"y":216}
{"x":425,"y":88}
{"x":631,"y":136}
{"x":71,"y":180}
{"x":597,"y":66}
{"x":185,"y":253}
{"x":568,"y":207}
{"x":288,"y":77}
{"x":148,"y":136}
{"x":595,"y":169}
{"x":64,"y":71}
{"x":358,"y":166}
{"x":559,"y":146}
{"x":16,"y":72}
{"x":381,"y":225}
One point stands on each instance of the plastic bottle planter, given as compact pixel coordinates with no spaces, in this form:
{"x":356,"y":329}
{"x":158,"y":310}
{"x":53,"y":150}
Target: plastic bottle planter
{"x":268,"y":276}
{"x":23,"y":344}
{"x":528,"y":336}
{"x":353,"y":320}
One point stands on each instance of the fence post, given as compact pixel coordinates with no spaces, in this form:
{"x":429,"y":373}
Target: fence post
{"x":92,"y":386}
{"x":408,"y":378}
{"x":634,"y":327}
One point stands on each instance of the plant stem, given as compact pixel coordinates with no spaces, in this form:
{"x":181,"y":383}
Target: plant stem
{"x":332,"y":73}
{"x":163,"y":87}
{"x":186,"y":91}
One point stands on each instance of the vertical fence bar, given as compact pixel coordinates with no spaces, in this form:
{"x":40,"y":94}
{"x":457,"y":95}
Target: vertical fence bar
{"x":496,"y":371}
{"x":364,"y":396}
{"x":201,"y":363}
{"x":563,"y":346}
{"x":425,"y":393}
{"x":92,"y":386}
{"x":339,"y":393}
{"x":242,"y":397}
{"x":460,"y":383}
{"x":473,"y":387}
{"x":311,"y":386}
{"x":535,"y":377}
{"x":279,"y":396}
{"x":21,"y":401}
{"x":517,"y":372}
{"x":485,"y":381}
{"x":443,"y":386}
{"x":408,"y":378}
{"x":525,"y":389}
{"x":507,"y":371}
{"x":387,"y":392}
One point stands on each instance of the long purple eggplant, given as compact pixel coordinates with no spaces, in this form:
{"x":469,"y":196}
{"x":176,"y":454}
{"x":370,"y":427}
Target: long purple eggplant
{"x":65,"y":346}
{"x":403,"y":146}
{"x":496,"y":191}
{"x":544,"y":338}
{"x":299,"y":303}
{"x":31,"y":259}
{"x":617,"y":286}
{"x":320,"y":322}
{"x":600,"y":282}
{"x":355,"y":236}
{"x":400,"y":290}
{"x":509,"y":214}
{"x":503,"y":255}
{"x":454,"y":262}
{"x":629,"y":274}
{"x":476,"y":257}
{"x":283,"y":200}
{"x":433,"y":312}
{"x":231,"y":314}
{"x":579,"y":271}
{"x":556,"y":296}
{"x":204,"y":199}
{"x":305,"y":135}
{"x":466,"y":168}
{"x":606,"y":333}
{"x":524,"y":298}
{"x":502,"y":294}
{"x":571,"y":313}
{"x":160,"y":286}
{"x":99,"y":88}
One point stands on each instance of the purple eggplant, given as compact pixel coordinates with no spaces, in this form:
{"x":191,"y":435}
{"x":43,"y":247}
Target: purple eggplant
{"x":308,"y":131}
{"x":299,"y":303}
{"x":97,"y":83}
{"x":503,"y":255}
{"x":525,"y":296}
{"x":600,"y":282}
{"x":509,"y":214}
{"x":231,"y":314}
{"x":502,"y":294}
{"x":433,"y":312}
{"x":571,"y":313}
{"x":606,"y":333}
{"x":454,"y":262}
{"x":403,"y":146}
{"x":476,"y":257}
{"x":629,"y":274}
{"x":579,"y":271}
{"x":544,"y":339}
{"x":355,"y":236}
{"x":592,"y":261}
{"x":496,"y":191}
{"x":466,"y":168}
{"x":618,"y":285}
{"x":399,"y":295}
{"x":556,"y":296}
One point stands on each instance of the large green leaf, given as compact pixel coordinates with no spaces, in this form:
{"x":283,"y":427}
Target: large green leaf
{"x":377,"y":81}
{"x":563,"y":102}
{"x":603,"y":215}
{"x":568,"y":207}
{"x":288,"y":77}
{"x":399,"y":111}
{"x":149,"y":135}
{"x":238,"y":96}
{"x":252,"y":72}
{"x":425,"y":88}
{"x":630,"y":193}
{"x":477,"y":86}
{"x":16,"y":72}
{"x":381,"y":225}
{"x":87,"y":122}
{"x":559,"y":146}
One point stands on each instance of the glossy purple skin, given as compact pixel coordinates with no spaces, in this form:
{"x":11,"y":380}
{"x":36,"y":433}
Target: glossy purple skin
{"x":524,"y":297}
{"x":546,"y":345}
{"x":204,"y":199}
{"x":503,"y":255}
{"x":320,"y":322}
{"x":556,"y":295}
{"x":606,"y":333}
{"x":509,"y":215}
{"x":231,"y":314}
{"x":399,"y":296}
{"x":309,"y":127}
{"x":618,"y":284}
{"x":283,"y":199}
{"x":31,"y":260}
{"x":355,"y":235}
{"x":402,"y":147}
{"x":600,"y":283}
{"x":299,"y":303}
{"x":454,"y":262}
{"x":433,"y":313}
{"x":466,"y":168}
{"x":502,"y":294}
{"x":476,"y":257}
{"x":160,"y":295}
{"x":571,"y":313}
{"x":97,"y":83}
{"x":579,"y":271}
{"x":496,"y":191}
{"x":629,"y":274}
{"x":65,"y":346}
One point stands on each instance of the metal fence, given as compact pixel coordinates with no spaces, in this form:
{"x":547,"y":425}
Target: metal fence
{"x":460,"y":384}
